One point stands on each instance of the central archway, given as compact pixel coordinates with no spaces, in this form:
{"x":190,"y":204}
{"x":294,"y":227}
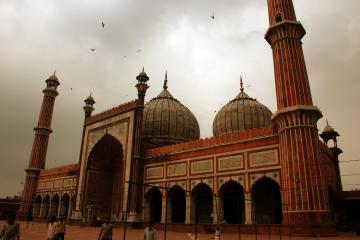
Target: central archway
{"x":233,"y":202}
{"x":104,"y":183}
{"x":202,"y":198}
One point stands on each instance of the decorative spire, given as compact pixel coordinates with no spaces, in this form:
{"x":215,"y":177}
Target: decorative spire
{"x":165,"y":81}
{"x":241,"y":84}
{"x":55,"y":73}
{"x":327,"y":122}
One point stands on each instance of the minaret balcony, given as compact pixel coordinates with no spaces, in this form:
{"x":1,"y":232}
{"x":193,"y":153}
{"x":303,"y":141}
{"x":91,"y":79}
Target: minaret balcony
{"x":285,"y":30}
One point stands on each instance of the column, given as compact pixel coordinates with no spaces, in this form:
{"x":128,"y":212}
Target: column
{"x":69,"y":208}
{"x":188,"y":210}
{"x":58,"y":210}
{"x":163,"y":210}
{"x":248,"y":208}
{"x":40,"y":210}
{"x":216,"y":209}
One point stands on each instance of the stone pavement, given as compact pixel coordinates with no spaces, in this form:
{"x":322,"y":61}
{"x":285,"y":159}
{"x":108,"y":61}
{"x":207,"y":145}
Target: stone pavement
{"x":37,"y":231}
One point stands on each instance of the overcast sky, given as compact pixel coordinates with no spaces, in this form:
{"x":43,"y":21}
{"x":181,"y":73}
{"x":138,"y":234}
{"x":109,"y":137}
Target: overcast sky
{"x":204,"y":59}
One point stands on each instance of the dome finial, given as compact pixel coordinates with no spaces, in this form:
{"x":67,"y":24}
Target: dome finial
{"x":327,"y":122}
{"x":241,"y":84}
{"x":165,"y":81}
{"x":54,"y":72}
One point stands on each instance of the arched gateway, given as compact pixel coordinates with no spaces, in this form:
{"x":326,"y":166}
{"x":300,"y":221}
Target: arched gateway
{"x":104,"y":179}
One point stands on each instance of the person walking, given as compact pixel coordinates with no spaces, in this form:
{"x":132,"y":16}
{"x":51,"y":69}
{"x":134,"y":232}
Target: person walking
{"x":217,"y":233}
{"x":10,"y":231}
{"x":150,"y":232}
{"x":51,"y":229}
{"x":106,"y":230}
{"x":60,"y":229}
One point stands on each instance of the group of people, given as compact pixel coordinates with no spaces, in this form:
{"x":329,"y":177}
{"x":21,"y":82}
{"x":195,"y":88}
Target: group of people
{"x":106,"y":231}
{"x":56,"y":229}
{"x":11,"y":230}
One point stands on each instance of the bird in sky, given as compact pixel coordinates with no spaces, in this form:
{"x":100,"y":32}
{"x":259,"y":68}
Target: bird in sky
{"x":138,"y":51}
{"x":213,"y":16}
{"x":92,"y":49}
{"x":124,"y":56}
{"x":103,"y":24}
{"x":70,"y":89}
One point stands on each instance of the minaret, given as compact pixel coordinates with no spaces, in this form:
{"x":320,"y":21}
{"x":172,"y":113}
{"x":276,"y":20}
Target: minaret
{"x":39,"y":148}
{"x":88,"y":109}
{"x":328,"y":134}
{"x":304,"y":195}
{"x":136,"y":167}
{"x":89,"y":106}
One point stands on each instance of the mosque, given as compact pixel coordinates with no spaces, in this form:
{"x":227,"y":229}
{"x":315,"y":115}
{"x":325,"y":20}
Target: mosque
{"x":145,"y":161}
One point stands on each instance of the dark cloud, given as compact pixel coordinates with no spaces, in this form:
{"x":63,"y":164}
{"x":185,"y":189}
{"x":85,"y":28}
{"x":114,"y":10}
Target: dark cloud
{"x":204,"y":58}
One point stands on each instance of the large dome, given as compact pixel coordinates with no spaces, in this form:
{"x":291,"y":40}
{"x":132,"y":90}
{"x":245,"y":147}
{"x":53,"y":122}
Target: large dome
{"x":167,"y":121}
{"x":241,"y":114}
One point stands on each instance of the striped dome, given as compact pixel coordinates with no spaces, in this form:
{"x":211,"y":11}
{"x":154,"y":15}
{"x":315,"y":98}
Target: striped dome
{"x":241,"y":114}
{"x":167,"y":121}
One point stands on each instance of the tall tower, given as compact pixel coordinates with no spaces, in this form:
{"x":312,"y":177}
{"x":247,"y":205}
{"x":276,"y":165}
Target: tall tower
{"x":134,"y":200}
{"x":39,"y":148}
{"x":304,"y":194}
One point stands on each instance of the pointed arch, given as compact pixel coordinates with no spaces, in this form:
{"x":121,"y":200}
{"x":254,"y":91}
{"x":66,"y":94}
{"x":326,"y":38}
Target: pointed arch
{"x":233,"y":202}
{"x":64,"y":205}
{"x":153,"y":205}
{"x":37,"y":206}
{"x":45,"y":206}
{"x":266,"y":199}
{"x":104,"y":179}
{"x":54,"y":205}
{"x":202,"y":203}
{"x":177,"y":204}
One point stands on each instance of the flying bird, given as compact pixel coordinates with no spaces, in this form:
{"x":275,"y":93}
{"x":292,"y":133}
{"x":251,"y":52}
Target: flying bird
{"x":70,"y":89}
{"x":213,"y":16}
{"x":103,"y":24}
{"x":92,"y":49}
{"x":124,"y":56}
{"x":138,"y":51}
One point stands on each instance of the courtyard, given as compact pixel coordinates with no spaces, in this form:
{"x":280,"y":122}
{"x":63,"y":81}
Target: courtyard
{"x":36,"y":231}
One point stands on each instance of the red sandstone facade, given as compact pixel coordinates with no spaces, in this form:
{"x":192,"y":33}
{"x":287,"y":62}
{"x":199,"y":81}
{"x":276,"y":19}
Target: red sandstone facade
{"x":269,"y":170}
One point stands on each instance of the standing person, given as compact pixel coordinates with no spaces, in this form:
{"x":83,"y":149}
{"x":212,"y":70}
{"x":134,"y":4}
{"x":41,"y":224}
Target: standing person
{"x":150,"y":232}
{"x":217,"y":233}
{"x":51,"y":228}
{"x":60,"y":229}
{"x":11,"y":231}
{"x":106,"y":230}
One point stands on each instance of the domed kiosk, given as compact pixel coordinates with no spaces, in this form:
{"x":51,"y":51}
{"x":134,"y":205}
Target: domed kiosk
{"x":241,"y":114}
{"x":167,"y":121}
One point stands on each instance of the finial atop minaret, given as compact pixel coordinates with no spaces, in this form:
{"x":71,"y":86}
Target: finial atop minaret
{"x":165,"y":81}
{"x":89,"y":105}
{"x":241,"y":84}
{"x":142,"y":86}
